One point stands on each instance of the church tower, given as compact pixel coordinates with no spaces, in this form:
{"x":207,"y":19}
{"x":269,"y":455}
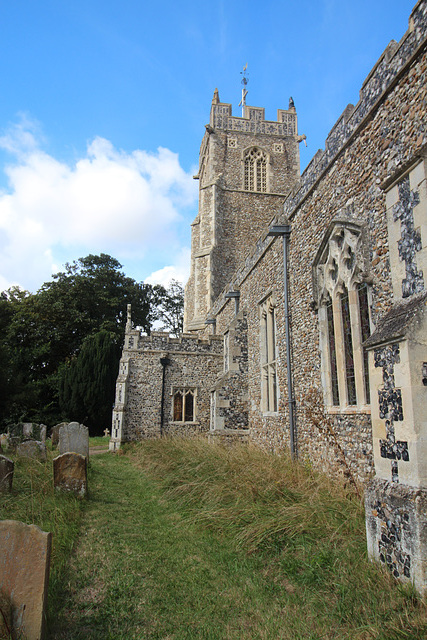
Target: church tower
{"x":247,"y":166}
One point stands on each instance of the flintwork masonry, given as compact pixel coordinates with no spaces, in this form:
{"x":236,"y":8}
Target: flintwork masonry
{"x":351,"y":235}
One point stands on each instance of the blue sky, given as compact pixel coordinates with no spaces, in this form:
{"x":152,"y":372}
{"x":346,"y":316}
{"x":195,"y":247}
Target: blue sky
{"x":103,"y":107}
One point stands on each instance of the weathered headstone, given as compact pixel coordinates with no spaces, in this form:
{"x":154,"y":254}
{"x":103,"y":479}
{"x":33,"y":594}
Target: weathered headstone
{"x":4,"y":441}
{"x":74,"y":437}
{"x":6,"y":474}
{"x":32,"y":449}
{"x":55,"y":433}
{"x":106,"y":433}
{"x":27,"y":429}
{"x":43,"y":431}
{"x":24,"y":575}
{"x":70,"y":473}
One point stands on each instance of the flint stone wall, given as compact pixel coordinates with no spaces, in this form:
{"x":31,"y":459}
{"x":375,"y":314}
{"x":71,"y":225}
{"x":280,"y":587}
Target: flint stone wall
{"x":370,"y":146}
{"x":396,"y":527}
{"x":193,"y":363}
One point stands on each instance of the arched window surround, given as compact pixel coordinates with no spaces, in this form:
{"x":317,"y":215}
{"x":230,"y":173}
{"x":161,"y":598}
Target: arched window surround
{"x":255,"y":162}
{"x":342,"y":297}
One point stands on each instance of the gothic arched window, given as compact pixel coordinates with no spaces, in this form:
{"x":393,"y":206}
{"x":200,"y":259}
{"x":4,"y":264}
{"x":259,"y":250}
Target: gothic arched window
{"x":268,"y":357}
{"x":343,"y":307}
{"x":255,"y":168}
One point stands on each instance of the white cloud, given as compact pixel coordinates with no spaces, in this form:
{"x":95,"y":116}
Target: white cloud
{"x":108,"y":201}
{"x":179,"y":271}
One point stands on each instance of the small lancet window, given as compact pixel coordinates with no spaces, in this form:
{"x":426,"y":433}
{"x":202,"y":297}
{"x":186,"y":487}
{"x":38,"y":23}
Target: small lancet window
{"x":348,"y":348}
{"x":268,"y":358}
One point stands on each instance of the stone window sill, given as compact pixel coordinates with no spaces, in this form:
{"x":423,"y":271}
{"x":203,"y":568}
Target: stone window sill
{"x":350,"y":410}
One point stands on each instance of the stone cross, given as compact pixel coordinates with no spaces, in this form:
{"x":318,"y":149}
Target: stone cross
{"x":106,"y":433}
{"x":410,"y":241}
{"x":391,"y":410}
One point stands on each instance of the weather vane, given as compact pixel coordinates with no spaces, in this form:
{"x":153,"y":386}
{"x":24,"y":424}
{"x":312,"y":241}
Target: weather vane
{"x":245,"y":81}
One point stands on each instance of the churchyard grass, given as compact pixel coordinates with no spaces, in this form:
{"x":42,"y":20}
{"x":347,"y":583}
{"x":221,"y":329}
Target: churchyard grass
{"x":34,"y":501}
{"x":185,"y":539}
{"x":97,"y":441}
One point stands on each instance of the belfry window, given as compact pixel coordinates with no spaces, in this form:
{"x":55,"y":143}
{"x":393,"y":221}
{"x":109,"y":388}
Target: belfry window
{"x":184,"y":405}
{"x":268,"y":358}
{"x":255,"y":169}
{"x":343,"y":308}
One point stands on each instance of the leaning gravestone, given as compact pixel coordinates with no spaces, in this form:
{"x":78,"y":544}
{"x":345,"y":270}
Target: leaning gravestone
{"x":6,"y":474}
{"x":32,"y":449}
{"x":70,"y":473}
{"x":24,"y":576}
{"x":55,"y":433}
{"x":74,"y":437}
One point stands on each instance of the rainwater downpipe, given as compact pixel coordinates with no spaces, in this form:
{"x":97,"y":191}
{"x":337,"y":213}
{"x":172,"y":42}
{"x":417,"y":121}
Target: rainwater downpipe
{"x":285,"y":231}
{"x":164,"y":362}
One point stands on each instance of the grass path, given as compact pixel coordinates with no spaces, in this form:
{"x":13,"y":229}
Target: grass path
{"x":140,"y":572}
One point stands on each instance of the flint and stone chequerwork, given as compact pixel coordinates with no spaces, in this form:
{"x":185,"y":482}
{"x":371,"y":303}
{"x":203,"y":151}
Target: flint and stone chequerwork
{"x":357,"y":315}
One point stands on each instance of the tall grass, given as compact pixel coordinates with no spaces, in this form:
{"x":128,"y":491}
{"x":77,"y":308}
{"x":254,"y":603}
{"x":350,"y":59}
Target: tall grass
{"x":262,"y":500}
{"x":309,"y":531}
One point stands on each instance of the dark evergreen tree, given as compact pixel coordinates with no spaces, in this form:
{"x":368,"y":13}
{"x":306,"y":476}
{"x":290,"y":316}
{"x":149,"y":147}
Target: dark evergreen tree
{"x":87,"y":382}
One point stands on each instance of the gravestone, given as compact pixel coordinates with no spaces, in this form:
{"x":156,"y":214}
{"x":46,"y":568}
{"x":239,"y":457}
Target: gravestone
{"x":32,"y":449}
{"x":74,"y":437}
{"x":6,"y":474}
{"x":106,"y":433}
{"x":55,"y":433}
{"x":43,"y":430}
{"x":70,"y":473}
{"x":24,"y":575}
{"x":4,"y":441}
{"x":27,"y":430}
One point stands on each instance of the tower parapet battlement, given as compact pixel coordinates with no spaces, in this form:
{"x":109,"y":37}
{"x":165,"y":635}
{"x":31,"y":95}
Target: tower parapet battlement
{"x":253,"y":121}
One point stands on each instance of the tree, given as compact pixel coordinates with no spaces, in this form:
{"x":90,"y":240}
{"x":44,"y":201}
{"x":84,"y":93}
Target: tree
{"x":43,"y":331}
{"x":171,"y":308}
{"x":87,"y":382}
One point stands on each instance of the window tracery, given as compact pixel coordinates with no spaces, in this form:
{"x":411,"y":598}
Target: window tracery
{"x":184,"y":405}
{"x":255,"y":170}
{"x":344,"y":322}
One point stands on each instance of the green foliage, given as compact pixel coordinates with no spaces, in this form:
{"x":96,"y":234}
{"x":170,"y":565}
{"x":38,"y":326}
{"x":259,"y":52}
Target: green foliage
{"x":87,"y":381}
{"x":170,"y":307}
{"x":43,"y":332}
